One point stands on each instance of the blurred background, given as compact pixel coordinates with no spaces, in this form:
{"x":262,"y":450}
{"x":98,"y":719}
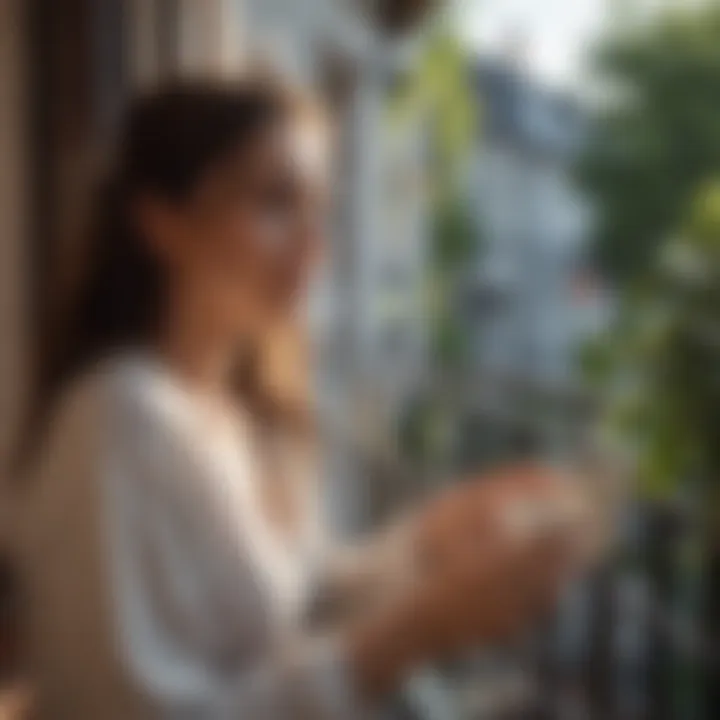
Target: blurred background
{"x":525,"y":261}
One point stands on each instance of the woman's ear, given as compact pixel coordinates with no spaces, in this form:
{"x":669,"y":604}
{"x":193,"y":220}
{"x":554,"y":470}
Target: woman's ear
{"x":159,"y":225}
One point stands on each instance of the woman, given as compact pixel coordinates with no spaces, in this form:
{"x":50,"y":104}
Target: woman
{"x":171,"y":548}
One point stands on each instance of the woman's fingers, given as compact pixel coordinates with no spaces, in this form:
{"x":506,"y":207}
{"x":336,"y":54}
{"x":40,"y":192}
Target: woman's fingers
{"x":549,"y":570}
{"x":466,"y":515}
{"x":495,"y":592}
{"x":535,"y":567}
{"x":531,"y":508}
{"x":497,"y":553}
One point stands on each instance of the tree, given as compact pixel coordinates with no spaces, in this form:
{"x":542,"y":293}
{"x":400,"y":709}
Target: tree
{"x":660,"y":137}
{"x":661,"y":370}
{"x":439,"y":91}
{"x":661,"y":359}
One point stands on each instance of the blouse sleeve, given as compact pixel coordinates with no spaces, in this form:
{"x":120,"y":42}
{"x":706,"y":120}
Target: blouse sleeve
{"x":168,"y":638}
{"x":356,"y":577}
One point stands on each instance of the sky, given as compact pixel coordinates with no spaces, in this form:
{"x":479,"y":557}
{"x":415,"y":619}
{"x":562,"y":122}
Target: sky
{"x":551,"y":36}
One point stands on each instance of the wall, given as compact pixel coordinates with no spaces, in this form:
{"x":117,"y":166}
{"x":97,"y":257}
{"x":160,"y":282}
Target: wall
{"x":12,"y":228}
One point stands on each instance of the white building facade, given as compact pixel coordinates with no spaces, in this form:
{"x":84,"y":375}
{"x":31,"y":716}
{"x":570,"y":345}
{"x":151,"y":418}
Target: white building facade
{"x":535,"y":262}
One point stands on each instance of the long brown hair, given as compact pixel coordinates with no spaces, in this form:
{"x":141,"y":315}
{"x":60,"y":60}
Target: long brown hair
{"x":169,"y":139}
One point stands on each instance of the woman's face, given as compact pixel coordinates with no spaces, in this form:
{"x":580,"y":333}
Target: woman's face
{"x":244,"y":244}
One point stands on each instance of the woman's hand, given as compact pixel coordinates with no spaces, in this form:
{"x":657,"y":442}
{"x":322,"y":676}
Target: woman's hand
{"x":527,"y":501}
{"x":493,"y":555}
{"x":481,"y":596}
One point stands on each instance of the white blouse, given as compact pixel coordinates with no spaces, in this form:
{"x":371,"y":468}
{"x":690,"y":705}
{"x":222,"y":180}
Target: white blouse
{"x":158,"y":587}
